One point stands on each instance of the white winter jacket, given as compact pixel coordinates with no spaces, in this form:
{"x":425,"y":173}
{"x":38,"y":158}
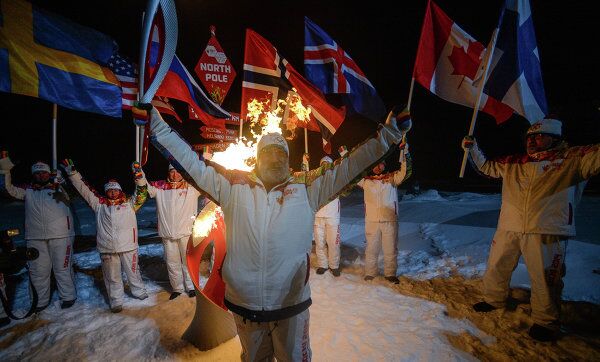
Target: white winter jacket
{"x":176,"y":208}
{"x":268,"y":234}
{"x":116,"y":224}
{"x":540,"y":192}
{"x":381,"y":194}
{"x":47,"y":216}
{"x":331,"y":210}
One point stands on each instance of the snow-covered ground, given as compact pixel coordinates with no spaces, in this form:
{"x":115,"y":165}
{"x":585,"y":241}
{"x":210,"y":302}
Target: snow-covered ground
{"x":443,"y":244}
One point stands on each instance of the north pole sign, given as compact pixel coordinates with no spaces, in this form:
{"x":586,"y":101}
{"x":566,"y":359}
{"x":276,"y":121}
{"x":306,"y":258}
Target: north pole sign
{"x":214,"y":69}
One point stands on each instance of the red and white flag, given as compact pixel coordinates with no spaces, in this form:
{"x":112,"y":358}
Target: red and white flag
{"x":450,"y":64}
{"x":269,"y":77}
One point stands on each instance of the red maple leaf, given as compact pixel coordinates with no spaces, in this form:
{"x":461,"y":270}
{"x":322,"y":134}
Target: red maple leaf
{"x":466,"y":63}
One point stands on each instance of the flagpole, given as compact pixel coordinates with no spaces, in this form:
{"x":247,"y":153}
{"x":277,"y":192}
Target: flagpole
{"x":54,"y":126}
{"x":488,"y":61}
{"x":137,"y":143}
{"x":306,"y":159}
{"x":410,"y":93}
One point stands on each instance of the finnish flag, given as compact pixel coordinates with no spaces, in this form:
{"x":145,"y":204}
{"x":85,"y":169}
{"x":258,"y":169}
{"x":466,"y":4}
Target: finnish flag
{"x":515,"y":76}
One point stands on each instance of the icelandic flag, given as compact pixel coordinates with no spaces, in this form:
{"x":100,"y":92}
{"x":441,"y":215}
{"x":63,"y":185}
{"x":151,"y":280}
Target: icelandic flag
{"x":179,"y":84}
{"x":515,"y":75}
{"x":332,"y":70}
{"x":46,"y":56}
{"x":268,"y":77}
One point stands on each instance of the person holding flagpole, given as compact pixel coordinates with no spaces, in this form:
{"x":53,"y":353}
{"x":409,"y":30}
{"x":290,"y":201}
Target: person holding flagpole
{"x":540,"y":191}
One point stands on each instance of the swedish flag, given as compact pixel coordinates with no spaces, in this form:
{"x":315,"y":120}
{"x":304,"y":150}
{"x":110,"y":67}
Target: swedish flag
{"x":46,"y":56}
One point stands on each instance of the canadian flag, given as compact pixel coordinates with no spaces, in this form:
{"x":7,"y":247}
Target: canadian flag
{"x":450,"y":64}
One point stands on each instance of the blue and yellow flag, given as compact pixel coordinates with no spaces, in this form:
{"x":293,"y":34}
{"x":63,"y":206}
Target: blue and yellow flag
{"x":46,"y":56}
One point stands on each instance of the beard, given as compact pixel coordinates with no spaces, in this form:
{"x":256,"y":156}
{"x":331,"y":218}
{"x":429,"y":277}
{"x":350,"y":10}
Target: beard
{"x":274,"y":175}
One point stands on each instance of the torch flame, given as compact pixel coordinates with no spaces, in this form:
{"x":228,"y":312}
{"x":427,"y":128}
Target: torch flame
{"x":205,"y":221}
{"x":242,"y":155}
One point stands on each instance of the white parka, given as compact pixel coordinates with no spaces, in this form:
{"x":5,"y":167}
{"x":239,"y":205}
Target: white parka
{"x":47,"y":216}
{"x":381,"y":194}
{"x":269,"y":234}
{"x":116,"y":225}
{"x":540,"y":191}
{"x":331,"y":210}
{"x":176,"y":208}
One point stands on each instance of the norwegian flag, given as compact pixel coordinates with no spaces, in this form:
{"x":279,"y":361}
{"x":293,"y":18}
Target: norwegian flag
{"x":268,"y":77}
{"x":332,"y":70}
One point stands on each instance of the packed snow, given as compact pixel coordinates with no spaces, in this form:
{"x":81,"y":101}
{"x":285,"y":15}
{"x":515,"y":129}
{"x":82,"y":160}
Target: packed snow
{"x":443,"y":245}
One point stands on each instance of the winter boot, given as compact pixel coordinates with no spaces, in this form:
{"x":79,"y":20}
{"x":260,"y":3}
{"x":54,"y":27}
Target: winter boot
{"x":393,"y":279}
{"x":368,"y":278}
{"x":39,"y":309}
{"x":67,"y":303}
{"x":4,"y":321}
{"x":321,"y":270}
{"x":174,"y":295}
{"x":483,"y":307}
{"x":116,"y":309}
{"x":542,"y":334}
{"x":191,"y":293}
{"x":336,"y":272}
{"x":143,"y":296}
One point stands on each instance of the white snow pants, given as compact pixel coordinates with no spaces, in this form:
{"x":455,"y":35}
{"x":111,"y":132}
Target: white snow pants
{"x":111,"y":270}
{"x":545,"y":260}
{"x":179,"y":277}
{"x":285,"y":340}
{"x":327,"y":242}
{"x":3,"y":291}
{"x":381,"y":234}
{"x":55,"y":255}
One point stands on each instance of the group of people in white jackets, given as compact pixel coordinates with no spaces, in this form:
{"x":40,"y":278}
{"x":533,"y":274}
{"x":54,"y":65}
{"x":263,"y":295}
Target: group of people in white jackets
{"x":49,"y":227}
{"x":272,"y":212}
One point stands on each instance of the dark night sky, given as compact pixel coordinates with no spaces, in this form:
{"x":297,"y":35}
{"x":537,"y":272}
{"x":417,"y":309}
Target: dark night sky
{"x":383,"y":42}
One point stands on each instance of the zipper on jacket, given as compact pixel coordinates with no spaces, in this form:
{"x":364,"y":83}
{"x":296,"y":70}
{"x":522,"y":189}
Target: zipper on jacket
{"x":527,"y":195}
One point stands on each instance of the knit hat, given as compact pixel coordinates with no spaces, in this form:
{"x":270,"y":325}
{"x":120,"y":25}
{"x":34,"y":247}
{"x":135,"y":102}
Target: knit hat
{"x":326,"y":159}
{"x":40,"y":167}
{"x":272,"y":139}
{"x":112,"y":185}
{"x":548,"y":126}
{"x":171,"y":167}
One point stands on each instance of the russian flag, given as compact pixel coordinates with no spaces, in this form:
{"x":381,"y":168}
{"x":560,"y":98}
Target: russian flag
{"x":179,"y":84}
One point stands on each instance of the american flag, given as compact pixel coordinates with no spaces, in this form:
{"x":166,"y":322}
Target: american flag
{"x":126,"y":73}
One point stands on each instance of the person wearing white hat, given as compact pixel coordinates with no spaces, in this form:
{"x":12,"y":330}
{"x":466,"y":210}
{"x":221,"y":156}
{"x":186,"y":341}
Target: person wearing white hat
{"x":381,"y":216}
{"x":540,"y":191}
{"x":116,"y":234}
{"x":269,"y":217}
{"x":49,"y":229}
{"x":327,"y":232}
{"x":176,"y":208}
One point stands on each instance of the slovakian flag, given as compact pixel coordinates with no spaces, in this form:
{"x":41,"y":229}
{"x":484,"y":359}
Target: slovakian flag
{"x":449,"y":63}
{"x":268,"y":77}
{"x":516,"y":75}
{"x":333,"y":71}
{"x":179,"y":84}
